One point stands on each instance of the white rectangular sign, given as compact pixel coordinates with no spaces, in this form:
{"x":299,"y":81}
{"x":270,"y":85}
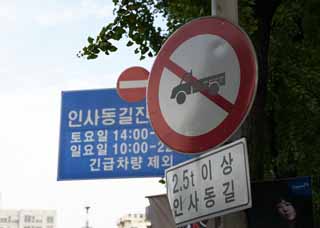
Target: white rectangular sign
{"x":213,"y":184}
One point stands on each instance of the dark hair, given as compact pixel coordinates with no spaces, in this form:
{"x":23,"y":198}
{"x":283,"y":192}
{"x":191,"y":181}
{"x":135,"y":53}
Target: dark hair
{"x":265,"y":198}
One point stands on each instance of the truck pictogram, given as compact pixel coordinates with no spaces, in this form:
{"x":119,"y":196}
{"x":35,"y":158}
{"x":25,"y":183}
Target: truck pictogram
{"x":189,"y":86}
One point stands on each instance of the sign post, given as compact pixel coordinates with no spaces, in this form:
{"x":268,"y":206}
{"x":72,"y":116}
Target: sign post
{"x":214,"y":184}
{"x":225,"y":9}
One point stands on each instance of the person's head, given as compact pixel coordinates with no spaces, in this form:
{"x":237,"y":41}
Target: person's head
{"x":286,"y":210}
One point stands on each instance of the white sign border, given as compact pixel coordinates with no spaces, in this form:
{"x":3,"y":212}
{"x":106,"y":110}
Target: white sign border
{"x":247,"y":205}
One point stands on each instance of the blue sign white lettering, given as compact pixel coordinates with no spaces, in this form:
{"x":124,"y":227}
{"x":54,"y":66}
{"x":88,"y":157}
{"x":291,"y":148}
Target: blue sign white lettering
{"x":102,"y":136}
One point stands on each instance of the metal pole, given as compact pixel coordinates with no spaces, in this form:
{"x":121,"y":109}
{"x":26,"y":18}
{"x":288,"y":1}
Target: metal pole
{"x":227,"y":9}
{"x":213,"y":8}
{"x":87,"y":221}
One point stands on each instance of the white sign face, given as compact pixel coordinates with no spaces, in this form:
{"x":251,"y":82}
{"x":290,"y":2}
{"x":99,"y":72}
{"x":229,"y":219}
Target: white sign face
{"x":213,"y":61}
{"x":213,"y":184}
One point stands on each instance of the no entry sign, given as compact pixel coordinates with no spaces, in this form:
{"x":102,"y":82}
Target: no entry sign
{"x":202,"y":85}
{"x":132,"y":83}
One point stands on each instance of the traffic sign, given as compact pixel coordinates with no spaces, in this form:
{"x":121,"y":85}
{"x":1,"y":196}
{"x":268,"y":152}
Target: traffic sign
{"x":214,"y":184}
{"x":202,"y":85}
{"x":102,"y":136}
{"x":132,"y":83}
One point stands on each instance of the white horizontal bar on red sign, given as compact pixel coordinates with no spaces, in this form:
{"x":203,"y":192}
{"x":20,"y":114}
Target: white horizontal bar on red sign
{"x":133,"y":84}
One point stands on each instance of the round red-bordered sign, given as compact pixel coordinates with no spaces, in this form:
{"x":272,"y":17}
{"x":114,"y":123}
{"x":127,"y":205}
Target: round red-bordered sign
{"x":202,"y":85}
{"x":132,"y":84}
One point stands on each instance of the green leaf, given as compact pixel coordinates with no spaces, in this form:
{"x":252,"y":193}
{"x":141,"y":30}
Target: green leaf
{"x":118,"y":32}
{"x":92,"y":56}
{"x":130,"y":43}
{"x":112,"y":48}
{"x":90,"y":40}
{"x":144,"y":50}
{"x":142,"y":57}
{"x":133,"y":7}
{"x":121,"y":12}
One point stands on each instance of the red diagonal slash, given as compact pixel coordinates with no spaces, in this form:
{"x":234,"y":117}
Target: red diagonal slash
{"x":217,"y":99}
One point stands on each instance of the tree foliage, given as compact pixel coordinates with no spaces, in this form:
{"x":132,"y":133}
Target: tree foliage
{"x":294,"y":100}
{"x":137,"y":21}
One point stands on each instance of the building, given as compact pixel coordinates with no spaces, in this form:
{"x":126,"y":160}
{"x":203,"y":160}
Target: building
{"x":137,"y":220}
{"x":27,"y":219}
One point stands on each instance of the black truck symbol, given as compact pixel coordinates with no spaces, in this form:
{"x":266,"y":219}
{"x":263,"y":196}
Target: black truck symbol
{"x":189,"y":86}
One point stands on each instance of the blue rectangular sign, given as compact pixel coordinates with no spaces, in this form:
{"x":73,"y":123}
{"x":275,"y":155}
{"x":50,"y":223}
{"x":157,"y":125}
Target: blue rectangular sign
{"x":103,"y":136}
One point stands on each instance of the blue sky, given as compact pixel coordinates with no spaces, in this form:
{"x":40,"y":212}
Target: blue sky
{"x":40,"y":40}
{"x":38,"y":43}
